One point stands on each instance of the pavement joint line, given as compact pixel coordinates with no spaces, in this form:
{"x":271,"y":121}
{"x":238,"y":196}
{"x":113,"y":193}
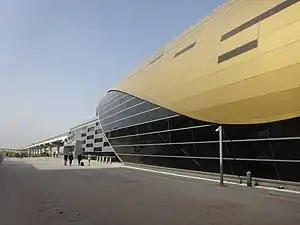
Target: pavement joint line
{"x":83,"y":173}
{"x":211,"y":180}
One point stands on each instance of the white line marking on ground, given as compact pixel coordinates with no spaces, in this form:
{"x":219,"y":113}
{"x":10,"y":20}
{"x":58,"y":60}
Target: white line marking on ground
{"x":209,"y":179}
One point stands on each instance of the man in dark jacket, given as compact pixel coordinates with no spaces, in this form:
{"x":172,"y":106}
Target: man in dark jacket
{"x":66,"y":158}
{"x":79,"y":158}
{"x":71,"y":157}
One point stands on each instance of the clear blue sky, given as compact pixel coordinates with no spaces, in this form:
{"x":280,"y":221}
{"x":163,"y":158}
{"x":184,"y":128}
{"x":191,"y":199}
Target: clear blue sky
{"x":59,"y":57}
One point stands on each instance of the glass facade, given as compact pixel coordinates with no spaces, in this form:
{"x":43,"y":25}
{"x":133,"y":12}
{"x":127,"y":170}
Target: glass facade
{"x":141,"y":132}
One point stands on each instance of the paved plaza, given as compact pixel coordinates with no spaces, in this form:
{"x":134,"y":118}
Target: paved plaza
{"x":58,"y":164}
{"x":44,"y":191}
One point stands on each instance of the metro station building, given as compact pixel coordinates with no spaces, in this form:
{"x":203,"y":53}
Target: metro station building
{"x":238,"y":68}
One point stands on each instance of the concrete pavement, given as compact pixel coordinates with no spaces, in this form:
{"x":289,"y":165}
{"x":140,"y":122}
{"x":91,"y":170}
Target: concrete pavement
{"x":35,"y":192}
{"x":50,"y":163}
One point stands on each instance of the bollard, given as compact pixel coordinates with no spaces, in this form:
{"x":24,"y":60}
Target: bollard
{"x":105,"y":159}
{"x":97,"y":159}
{"x":249,"y":179}
{"x":101,"y":159}
{"x":110,"y":160}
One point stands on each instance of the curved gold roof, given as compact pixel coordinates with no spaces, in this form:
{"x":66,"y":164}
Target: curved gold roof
{"x":241,"y":65}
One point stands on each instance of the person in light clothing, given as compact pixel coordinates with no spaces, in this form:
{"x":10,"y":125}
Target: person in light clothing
{"x":89,"y":159}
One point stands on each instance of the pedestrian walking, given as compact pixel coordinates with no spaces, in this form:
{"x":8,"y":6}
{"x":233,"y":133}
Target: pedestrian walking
{"x":70,"y":158}
{"x":65,"y":159}
{"x":79,"y":158}
{"x":89,"y":159}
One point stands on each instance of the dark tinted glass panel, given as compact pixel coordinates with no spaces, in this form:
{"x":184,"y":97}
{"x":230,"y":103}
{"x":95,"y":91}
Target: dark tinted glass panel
{"x":108,"y":102}
{"x":112,"y":134}
{"x":181,"y":136}
{"x":162,"y":161}
{"x":110,"y":96}
{"x":154,"y":138}
{"x":148,"y":116}
{"x":160,"y":125}
{"x":83,"y":135}
{"x":287,"y":149}
{"x":122,"y":132}
{"x":116,"y":107}
{"x":207,"y":150}
{"x":132,"y":130}
{"x":258,"y":169}
{"x":252,"y":150}
{"x":90,"y":137}
{"x":124,"y":150}
{"x":97,"y":124}
{"x":287,"y":171}
{"x":114,"y":103}
{"x":238,"y":132}
{"x":129,"y":112}
{"x":288,"y":128}
{"x":89,"y":145}
{"x":84,"y":141}
{"x":97,"y":149}
{"x":205,"y":134}
{"x":98,"y":140}
{"x":131,"y":102}
{"x":124,"y":141}
{"x":180,"y":122}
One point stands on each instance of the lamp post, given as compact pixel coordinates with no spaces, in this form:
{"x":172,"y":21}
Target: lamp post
{"x":220,"y":130}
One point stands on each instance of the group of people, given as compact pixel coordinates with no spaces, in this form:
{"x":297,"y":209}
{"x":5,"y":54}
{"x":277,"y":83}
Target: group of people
{"x":69,"y":156}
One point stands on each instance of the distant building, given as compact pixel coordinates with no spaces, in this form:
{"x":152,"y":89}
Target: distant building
{"x":87,"y":138}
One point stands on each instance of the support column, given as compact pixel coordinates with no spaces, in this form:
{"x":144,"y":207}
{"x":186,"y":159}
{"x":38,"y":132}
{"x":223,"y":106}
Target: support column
{"x":58,"y":149}
{"x":50,"y":151}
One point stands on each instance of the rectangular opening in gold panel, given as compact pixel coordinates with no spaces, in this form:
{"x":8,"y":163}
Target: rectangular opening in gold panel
{"x":185,"y":49}
{"x":238,"y":51}
{"x":255,"y":20}
{"x":155,"y":59}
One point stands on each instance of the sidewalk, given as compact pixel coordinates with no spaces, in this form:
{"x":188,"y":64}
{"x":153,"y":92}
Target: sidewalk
{"x":42,"y":163}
